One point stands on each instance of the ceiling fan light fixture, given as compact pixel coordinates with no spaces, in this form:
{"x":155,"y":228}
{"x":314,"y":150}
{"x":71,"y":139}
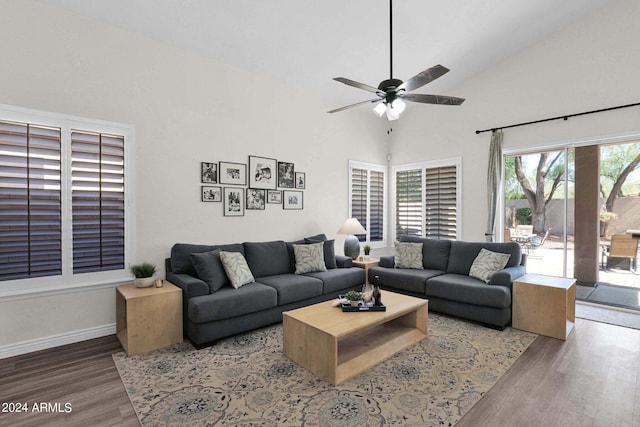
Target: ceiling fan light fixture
{"x":392,"y":114}
{"x":398,"y":106}
{"x":380,"y":109}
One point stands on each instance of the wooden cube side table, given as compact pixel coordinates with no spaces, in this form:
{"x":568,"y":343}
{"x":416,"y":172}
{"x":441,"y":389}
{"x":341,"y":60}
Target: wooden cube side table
{"x":545,"y":305}
{"x":366,"y":264}
{"x":148,"y":318}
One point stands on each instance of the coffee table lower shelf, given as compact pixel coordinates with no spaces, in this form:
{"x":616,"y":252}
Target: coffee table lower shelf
{"x":348,"y":346}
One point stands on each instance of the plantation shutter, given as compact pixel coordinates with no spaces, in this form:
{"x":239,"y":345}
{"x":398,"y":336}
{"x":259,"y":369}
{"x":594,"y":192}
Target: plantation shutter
{"x":409,"y":203}
{"x":441,"y":203}
{"x":376,"y":206}
{"x":30,"y":201}
{"x":359,"y":198}
{"x":97,"y":174}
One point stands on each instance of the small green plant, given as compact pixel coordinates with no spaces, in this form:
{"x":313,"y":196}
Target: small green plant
{"x":143,"y":270}
{"x":353,"y":296}
{"x":367,"y":249}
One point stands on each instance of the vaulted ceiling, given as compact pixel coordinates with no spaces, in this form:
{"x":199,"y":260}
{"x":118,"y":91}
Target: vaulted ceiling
{"x":305,"y":43}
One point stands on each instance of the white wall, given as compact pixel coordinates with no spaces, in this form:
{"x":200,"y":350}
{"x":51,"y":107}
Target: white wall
{"x":591,"y":65}
{"x":186,"y":109}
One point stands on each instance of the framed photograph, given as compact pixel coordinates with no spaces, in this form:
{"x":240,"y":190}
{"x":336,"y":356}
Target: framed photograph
{"x":208,"y":173}
{"x":286,"y":175}
{"x":233,"y":173}
{"x":301,"y":180}
{"x":211,"y":194}
{"x":233,"y":201}
{"x":255,"y":198}
{"x":292,"y":199}
{"x":262,"y":172}
{"x":274,"y":196}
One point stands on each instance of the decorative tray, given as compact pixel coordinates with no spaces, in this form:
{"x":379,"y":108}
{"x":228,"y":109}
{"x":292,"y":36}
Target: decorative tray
{"x":349,"y":307}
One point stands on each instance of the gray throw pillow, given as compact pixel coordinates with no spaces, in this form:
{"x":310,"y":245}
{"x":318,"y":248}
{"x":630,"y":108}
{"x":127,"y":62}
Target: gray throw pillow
{"x":309,"y":258}
{"x":236,"y":268}
{"x":488,"y":263}
{"x":329,"y":252}
{"x":210,"y":270}
{"x":408,"y":255}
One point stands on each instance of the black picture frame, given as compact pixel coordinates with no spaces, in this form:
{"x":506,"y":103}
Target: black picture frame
{"x":210,"y":194}
{"x":292,"y":200}
{"x":233,"y":201}
{"x":232,"y":173}
{"x":301,"y":180}
{"x":263,"y":172}
{"x":274,"y":197}
{"x":208,"y":172}
{"x":286,"y":175}
{"x":255,"y":199}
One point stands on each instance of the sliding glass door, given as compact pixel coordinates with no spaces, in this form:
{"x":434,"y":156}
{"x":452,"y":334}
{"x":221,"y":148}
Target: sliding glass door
{"x":538,"y":209}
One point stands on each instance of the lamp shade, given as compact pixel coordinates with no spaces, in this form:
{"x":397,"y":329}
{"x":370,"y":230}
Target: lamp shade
{"x":352,"y":226}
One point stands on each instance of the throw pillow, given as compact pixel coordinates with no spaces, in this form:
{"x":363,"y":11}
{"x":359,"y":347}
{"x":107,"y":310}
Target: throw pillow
{"x":408,"y":255}
{"x":309,"y":258}
{"x":488,"y":263}
{"x":236,"y":268}
{"x":209,"y":269}
{"x":329,"y":252}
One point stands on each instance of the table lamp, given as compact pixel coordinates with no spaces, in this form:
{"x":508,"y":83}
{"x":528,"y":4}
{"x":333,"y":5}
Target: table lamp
{"x":351,"y":244}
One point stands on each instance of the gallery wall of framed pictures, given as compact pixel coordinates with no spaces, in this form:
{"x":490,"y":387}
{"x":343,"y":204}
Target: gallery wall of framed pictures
{"x":253,"y":185}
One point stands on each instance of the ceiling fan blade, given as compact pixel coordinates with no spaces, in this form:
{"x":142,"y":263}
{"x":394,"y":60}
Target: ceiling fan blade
{"x":422,"y":78}
{"x":431,"y":99}
{"x":359,"y":85}
{"x":370,"y":101}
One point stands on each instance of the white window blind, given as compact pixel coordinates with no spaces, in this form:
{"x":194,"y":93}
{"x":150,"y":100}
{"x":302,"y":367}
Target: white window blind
{"x":367,"y":199}
{"x":98,"y":202}
{"x":30,"y":201}
{"x":427,"y":200}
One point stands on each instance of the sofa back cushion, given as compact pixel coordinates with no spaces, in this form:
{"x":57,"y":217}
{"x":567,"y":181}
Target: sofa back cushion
{"x":267,"y":258}
{"x":463,"y":254}
{"x":181,"y":255}
{"x":435,"y":252}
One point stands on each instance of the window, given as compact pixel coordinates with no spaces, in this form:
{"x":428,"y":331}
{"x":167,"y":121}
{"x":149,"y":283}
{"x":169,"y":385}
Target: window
{"x":367,"y":195}
{"x":64,"y":216}
{"x":427,"y":199}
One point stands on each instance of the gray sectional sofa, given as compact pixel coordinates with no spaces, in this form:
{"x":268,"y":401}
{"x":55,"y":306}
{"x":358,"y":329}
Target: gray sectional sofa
{"x":212,"y":309}
{"x":445,"y":281}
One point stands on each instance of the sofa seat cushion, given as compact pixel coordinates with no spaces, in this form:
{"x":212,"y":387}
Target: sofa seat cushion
{"x":457,"y":287}
{"x":229,"y":302}
{"x":293,"y":287}
{"x":404,"y":278}
{"x":339,"y":279}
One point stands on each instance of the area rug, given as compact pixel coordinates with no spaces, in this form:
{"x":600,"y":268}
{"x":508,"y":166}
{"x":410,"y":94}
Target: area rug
{"x":606,"y":314}
{"x":247,"y":381}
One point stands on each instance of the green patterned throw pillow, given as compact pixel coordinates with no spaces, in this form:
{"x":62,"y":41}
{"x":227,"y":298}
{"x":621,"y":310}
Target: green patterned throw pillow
{"x":309,"y":258}
{"x":408,"y":255}
{"x":236,"y":268}
{"x":488,"y":263}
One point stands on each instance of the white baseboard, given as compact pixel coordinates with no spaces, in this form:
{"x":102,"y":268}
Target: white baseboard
{"x":51,"y":341}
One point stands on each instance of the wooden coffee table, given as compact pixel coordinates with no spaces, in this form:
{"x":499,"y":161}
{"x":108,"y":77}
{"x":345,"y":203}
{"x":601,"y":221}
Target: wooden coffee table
{"x":337,"y":346}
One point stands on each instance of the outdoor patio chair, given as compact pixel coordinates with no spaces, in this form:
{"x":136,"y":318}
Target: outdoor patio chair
{"x":623,"y":246}
{"x":534,"y":242}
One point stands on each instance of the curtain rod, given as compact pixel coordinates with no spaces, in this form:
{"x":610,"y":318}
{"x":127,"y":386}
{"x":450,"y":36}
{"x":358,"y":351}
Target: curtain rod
{"x":565,"y":117}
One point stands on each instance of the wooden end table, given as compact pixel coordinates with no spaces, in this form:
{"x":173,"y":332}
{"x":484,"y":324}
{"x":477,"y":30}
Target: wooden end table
{"x":148,"y":318}
{"x":544,"y":305}
{"x":366,"y":264}
{"x":336,"y":345}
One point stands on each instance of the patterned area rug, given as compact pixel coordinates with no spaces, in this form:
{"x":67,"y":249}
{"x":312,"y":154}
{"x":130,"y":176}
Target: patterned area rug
{"x":247,"y":381}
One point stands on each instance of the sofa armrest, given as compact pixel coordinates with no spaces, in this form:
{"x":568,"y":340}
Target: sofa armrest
{"x":387,"y":261}
{"x":191,"y":286}
{"x":344,"y":261}
{"x":506,"y":276}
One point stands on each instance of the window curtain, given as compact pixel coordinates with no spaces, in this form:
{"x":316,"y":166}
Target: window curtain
{"x":494,"y":179}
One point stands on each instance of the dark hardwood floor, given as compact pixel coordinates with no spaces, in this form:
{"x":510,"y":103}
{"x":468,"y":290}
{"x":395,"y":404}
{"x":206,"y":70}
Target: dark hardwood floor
{"x":592,"y":379}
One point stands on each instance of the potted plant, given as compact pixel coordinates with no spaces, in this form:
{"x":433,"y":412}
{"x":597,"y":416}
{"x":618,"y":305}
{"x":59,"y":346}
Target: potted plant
{"x":143,"y":274}
{"x":354,"y":297}
{"x":367,"y":251}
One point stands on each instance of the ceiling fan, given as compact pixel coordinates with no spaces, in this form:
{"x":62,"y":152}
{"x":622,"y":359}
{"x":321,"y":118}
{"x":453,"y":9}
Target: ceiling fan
{"x":393,"y":92}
